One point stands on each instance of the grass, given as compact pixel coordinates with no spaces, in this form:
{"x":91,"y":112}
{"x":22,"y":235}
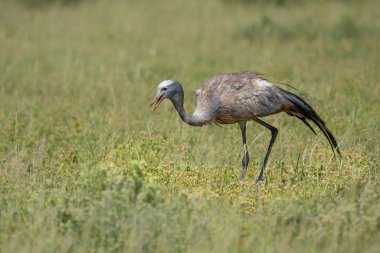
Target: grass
{"x":86,"y":167}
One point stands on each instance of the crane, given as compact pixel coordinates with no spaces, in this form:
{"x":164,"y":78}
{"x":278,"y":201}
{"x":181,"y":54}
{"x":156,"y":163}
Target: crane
{"x":229,"y":98}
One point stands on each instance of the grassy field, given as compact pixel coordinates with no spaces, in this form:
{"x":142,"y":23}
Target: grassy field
{"x":85,"y":166}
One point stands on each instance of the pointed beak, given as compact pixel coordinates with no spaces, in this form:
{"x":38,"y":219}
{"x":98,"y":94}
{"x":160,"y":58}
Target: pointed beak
{"x":156,"y":101}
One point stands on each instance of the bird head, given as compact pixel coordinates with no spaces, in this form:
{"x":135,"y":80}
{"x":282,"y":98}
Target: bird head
{"x":167,"y":89}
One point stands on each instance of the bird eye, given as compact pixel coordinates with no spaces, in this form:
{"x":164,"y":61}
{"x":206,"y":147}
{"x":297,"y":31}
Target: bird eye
{"x":164,"y":89}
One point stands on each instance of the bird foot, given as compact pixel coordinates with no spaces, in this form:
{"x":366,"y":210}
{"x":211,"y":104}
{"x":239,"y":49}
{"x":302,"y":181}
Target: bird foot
{"x":259,"y":183}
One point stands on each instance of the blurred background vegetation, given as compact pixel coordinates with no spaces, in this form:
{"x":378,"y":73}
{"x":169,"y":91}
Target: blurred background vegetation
{"x":86,"y":167}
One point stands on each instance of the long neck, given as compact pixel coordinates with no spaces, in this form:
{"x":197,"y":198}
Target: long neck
{"x":191,"y":120}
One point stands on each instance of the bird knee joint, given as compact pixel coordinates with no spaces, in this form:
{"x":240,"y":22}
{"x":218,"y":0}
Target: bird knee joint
{"x":245,"y":160}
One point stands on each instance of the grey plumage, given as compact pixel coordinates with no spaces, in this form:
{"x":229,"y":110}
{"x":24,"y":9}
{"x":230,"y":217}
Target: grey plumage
{"x":230,"y":98}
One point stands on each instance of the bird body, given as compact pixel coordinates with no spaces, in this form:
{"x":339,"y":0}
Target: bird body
{"x":230,"y":98}
{"x":234,"y":97}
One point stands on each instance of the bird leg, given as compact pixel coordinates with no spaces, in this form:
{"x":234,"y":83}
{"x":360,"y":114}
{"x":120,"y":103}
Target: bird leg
{"x":245,"y":161}
{"x":274,"y":132}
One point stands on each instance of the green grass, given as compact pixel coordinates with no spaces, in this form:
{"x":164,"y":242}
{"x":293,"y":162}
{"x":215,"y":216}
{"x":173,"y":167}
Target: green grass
{"x":85,"y":166}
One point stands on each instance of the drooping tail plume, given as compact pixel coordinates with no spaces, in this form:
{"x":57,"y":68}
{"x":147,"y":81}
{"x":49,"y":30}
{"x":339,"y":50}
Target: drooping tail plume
{"x":303,"y":111}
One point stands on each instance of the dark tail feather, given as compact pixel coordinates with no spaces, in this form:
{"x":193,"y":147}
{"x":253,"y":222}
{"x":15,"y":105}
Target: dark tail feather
{"x":303,"y":120}
{"x":306,"y":123}
{"x":303,"y":111}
